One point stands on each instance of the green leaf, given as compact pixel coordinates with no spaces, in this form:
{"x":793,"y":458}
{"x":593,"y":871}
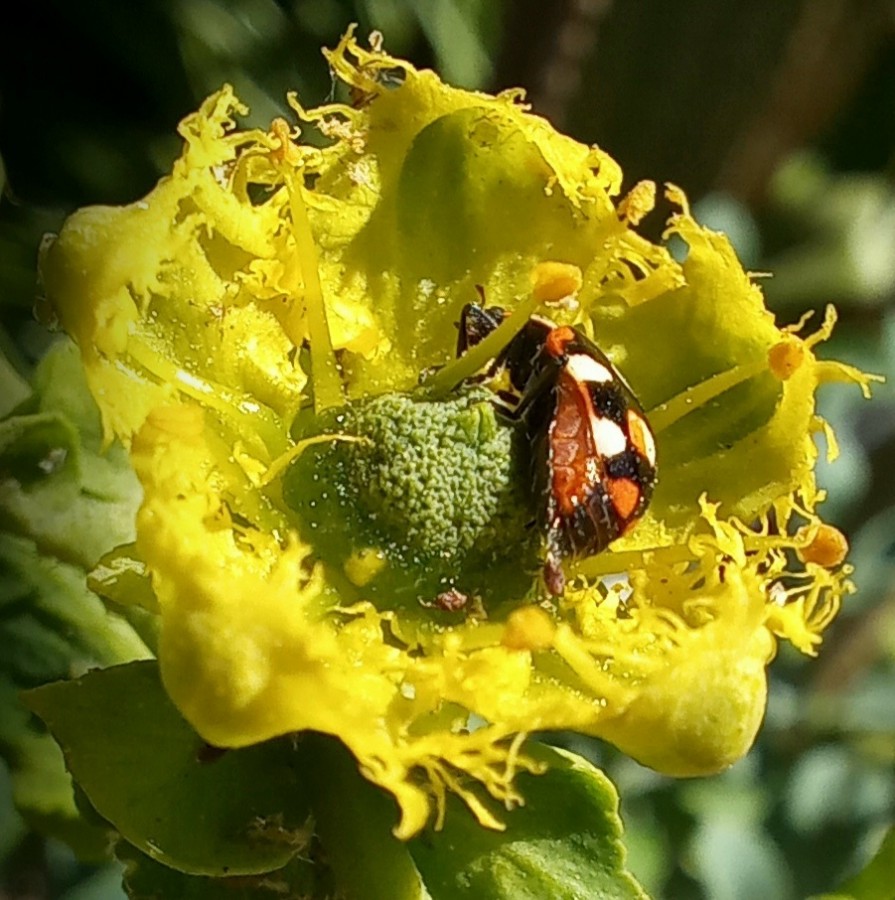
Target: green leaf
{"x":831,"y":784}
{"x":565,"y":843}
{"x":354,"y":821}
{"x":63,"y":496}
{"x":13,"y":388}
{"x":760,"y":869}
{"x":50,"y":626}
{"x":41,"y":788}
{"x":122,"y":580}
{"x":453,"y":31}
{"x":102,"y":884}
{"x":145,"y":879}
{"x":122,"y":577}
{"x":875,"y":882}
{"x":57,"y":484}
{"x":148,"y":773}
{"x":33,"y":447}
{"x":60,"y":386}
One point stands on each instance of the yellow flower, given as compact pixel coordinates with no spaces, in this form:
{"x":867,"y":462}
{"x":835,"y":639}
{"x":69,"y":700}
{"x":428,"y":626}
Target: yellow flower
{"x":227,"y":319}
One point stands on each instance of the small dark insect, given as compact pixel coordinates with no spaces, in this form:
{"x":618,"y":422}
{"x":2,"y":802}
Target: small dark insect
{"x":451,"y":600}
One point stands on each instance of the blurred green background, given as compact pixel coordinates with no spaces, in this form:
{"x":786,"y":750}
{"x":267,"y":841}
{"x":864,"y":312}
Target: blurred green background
{"x":778,"y":119}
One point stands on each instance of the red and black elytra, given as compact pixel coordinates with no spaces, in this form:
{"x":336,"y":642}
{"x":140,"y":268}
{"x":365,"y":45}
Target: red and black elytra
{"x":593,"y":453}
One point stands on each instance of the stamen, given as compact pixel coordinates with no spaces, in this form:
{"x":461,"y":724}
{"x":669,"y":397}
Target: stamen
{"x":666,"y":414}
{"x":325,"y":377}
{"x":449,"y":376}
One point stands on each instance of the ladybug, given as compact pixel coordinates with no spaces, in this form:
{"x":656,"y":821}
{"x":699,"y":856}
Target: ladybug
{"x":593,"y":454}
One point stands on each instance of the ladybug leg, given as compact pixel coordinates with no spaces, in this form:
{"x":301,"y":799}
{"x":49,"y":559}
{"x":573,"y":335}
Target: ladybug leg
{"x":538,"y":387}
{"x":554,"y":577}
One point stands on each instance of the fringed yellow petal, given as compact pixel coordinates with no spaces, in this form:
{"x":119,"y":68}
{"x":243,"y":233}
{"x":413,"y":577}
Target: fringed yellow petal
{"x":266,"y":279}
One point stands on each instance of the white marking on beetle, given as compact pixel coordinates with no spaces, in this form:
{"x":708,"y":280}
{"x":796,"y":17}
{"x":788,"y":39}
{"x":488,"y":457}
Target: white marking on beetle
{"x":585,"y":368}
{"x":608,"y":437}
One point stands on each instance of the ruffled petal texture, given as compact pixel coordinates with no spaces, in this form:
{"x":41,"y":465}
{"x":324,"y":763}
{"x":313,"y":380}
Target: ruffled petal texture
{"x":267,"y":282}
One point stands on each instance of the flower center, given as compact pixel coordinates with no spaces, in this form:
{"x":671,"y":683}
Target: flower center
{"x":435,"y":497}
